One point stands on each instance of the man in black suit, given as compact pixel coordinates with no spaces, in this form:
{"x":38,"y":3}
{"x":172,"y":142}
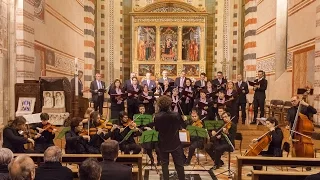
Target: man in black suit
{"x":219,"y":82}
{"x":179,"y":82}
{"x":202,"y":82}
{"x":80,"y":85}
{"x":98,"y":96}
{"x":259,"y":95}
{"x":128,"y":82}
{"x":52,"y":167}
{"x":110,"y":169}
{"x":168,"y":124}
{"x":90,"y":169}
{"x":243,"y":90}
{"x":150,"y":83}
{"x":165,"y":77}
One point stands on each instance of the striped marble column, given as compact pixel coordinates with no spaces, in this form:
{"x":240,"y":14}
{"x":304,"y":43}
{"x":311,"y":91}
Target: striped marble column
{"x":250,"y":26}
{"x":25,"y":40}
{"x":89,"y":42}
{"x":317,"y":66}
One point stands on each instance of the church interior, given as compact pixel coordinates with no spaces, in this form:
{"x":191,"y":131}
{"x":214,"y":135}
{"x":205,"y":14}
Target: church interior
{"x":46,"y":44}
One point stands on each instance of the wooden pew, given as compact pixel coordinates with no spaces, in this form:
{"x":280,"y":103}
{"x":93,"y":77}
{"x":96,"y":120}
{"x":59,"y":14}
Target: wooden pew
{"x":135,"y":159}
{"x":279,"y":175}
{"x":273,"y":161}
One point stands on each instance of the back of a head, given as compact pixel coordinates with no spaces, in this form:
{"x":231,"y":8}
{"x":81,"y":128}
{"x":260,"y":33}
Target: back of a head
{"x":52,"y":154}
{"x":164,"y":103}
{"x":6,"y":156}
{"x":109,"y":150}
{"x":22,"y":168}
{"x":90,"y":170}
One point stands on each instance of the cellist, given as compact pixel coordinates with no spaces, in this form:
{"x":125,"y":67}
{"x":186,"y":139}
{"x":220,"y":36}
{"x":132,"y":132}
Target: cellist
{"x":274,"y":149}
{"x":306,"y":109}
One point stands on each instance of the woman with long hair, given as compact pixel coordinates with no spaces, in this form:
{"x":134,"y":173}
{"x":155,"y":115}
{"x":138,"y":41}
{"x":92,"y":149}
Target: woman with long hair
{"x":117,"y":99}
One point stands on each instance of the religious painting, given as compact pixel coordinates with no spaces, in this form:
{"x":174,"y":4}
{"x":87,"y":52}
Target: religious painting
{"x":39,"y":8}
{"x":170,"y":68}
{"x":145,"y":68}
{"x":59,"y":99}
{"x":191,"y":69}
{"x":146,"y":43}
{"x":50,"y":57}
{"x":26,"y":105}
{"x":191,"y":43}
{"x":168,"y":43}
{"x":47,"y":99}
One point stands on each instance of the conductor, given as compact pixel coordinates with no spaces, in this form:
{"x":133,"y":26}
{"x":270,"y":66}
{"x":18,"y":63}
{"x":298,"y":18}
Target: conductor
{"x":168,"y":124}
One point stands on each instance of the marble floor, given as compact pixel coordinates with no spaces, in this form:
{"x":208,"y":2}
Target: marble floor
{"x":201,"y":172}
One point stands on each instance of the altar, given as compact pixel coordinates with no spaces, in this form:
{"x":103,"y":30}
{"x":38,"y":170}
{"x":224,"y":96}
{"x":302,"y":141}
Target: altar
{"x":169,"y":35}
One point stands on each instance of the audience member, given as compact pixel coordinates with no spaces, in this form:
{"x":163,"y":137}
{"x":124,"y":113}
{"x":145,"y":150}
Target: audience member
{"x":22,"y":168}
{"x":90,"y":170}
{"x":52,"y":168}
{"x":110,"y":169}
{"x":6,"y":156}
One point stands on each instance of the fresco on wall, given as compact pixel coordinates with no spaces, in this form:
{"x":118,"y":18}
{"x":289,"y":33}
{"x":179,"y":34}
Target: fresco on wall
{"x":191,"y":69}
{"x":170,"y":68}
{"x":145,"y":68}
{"x":146,"y":43}
{"x":169,"y":44}
{"x":50,"y":57}
{"x":39,"y":8}
{"x":191,"y":43}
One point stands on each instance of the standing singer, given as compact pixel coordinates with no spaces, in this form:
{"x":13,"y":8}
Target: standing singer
{"x":97,"y":96}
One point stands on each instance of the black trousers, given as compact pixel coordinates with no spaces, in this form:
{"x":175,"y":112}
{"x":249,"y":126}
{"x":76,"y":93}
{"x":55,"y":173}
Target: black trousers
{"x":98,"y":105}
{"x":178,"y":160}
{"x":192,"y":148}
{"x":219,"y":151}
{"x":258,"y":103}
{"x":41,"y":147}
{"x":243,"y":111}
{"x":126,"y":148}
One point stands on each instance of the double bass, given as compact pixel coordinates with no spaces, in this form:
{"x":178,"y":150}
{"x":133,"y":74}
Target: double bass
{"x":300,"y":133}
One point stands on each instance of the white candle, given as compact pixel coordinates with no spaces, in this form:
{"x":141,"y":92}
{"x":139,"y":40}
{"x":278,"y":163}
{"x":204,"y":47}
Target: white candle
{"x":76,"y":80}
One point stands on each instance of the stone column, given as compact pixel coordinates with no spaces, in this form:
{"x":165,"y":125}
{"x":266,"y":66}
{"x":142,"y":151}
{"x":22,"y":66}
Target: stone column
{"x":317,"y":66}
{"x":25,"y":40}
{"x":281,"y":37}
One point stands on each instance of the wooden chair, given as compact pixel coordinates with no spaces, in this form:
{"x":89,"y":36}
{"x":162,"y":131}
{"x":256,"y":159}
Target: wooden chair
{"x":239,"y":138}
{"x":286,"y":106}
{"x":276,"y":108}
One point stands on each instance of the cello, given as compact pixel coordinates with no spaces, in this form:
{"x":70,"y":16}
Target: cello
{"x":300,"y":133}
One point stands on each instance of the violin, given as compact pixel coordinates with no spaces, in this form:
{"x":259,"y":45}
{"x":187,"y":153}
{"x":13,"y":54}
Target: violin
{"x":48,"y":127}
{"x":226,"y":125}
{"x":197,"y":124}
{"x":130,"y":123}
{"x":104,"y":126}
{"x":83,"y":133}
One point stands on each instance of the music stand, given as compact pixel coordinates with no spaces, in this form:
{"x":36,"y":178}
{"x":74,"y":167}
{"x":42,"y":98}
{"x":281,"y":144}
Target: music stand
{"x":213,"y":125}
{"x":229,"y":171}
{"x":142,"y":119}
{"x":150,"y":136}
{"x":197,"y":132}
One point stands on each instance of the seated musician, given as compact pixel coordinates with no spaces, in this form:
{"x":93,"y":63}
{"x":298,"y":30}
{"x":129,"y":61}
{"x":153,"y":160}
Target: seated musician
{"x":202,"y":104}
{"x":86,"y":116}
{"x":147,"y":100}
{"x":46,"y":134}
{"x":13,"y":135}
{"x":221,"y":144}
{"x":276,"y":134}
{"x":125,"y":126}
{"x":187,"y":98}
{"x":99,"y":130}
{"x":117,"y":102}
{"x":133,"y":94}
{"x":196,"y":142}
{"x":150,"y":146}
{"x":77,"y":139}
{"x":221,"y":110}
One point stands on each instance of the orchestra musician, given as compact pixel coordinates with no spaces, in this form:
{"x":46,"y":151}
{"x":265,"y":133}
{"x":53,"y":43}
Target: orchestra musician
{"x":13,"y":135}
{"x":196,"y":142}
{"x":133,"y":94}
{"x":97,"y":96}
{"x":165,"y":77}
{"x":117,"y":100}
{"x":150,"y":83}
{"x":147,"y":100}
{"x":80,"y":85}
{"x":77,"y":139}
{"x":128,"y":83}
{"x":187,"y":97}
{"x":125,"y":126}
{"x":45,"y":134}
{"x":259,"y":96}
{"x":232,"y":98}
{"x":203,"y":106}
{"x":180,"y":81}
{"x":221,"y":144}
{"x":87,"y":116}
{"x":168,"y":124}
{"x":221,"y":110}
{"x":243,"y":90}
{"x":274,"y":149}
{"x":219,"y":82}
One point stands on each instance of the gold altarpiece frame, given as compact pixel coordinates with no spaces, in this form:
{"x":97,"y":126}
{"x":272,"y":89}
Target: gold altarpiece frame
{"x":168,"y":35}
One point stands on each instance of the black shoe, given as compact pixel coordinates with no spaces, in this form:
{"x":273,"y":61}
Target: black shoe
{"x":215,"y":167}
{"x":308,"y":168}
{"x":158,"y":164}
{"x":253,"y":122}
{"x":187,"y":163}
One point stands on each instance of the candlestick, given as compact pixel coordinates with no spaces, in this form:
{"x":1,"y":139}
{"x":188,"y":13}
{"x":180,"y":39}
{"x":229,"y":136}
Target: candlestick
{"x":76,"y":80}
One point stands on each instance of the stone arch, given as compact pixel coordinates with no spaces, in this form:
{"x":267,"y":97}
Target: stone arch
{"x":169,"y":6}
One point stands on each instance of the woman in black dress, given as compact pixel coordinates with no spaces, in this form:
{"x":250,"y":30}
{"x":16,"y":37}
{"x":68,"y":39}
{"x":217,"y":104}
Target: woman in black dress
{"x":117,"y":101}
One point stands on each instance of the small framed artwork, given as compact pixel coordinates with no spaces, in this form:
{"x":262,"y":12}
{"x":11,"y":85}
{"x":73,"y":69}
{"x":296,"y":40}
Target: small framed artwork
{"x":145,"y":68}
{"x":170,"y":68}
{"x":26,"y":105}
{"x":191,"y":69}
